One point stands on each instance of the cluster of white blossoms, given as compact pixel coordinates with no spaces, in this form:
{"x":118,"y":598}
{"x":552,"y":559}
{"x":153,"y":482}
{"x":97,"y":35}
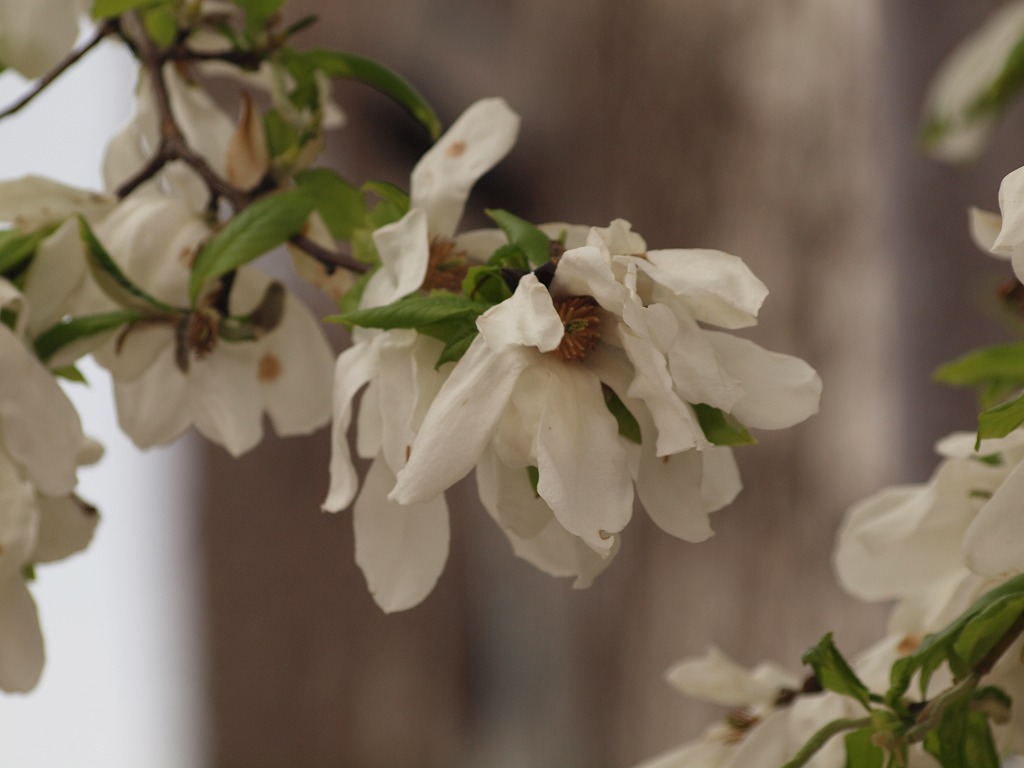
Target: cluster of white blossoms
{"x":585,"y":383}
{"x":933,"y":548}
{"x":572,"y":367}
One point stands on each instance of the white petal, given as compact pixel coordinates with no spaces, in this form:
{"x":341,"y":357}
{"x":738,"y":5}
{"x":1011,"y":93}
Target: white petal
{"x":994,"y":543}
{"x":21,"y":641}
{"x":355,"y":366}
{"x":669,"y":488}
{"x":461,"y":421}
{"x":716,"y":678}
{"x":584,"y":475}
{"x":984,"y":226}
{"x":404,"y":249}
{"x":717,"y":287}
{"x":66,"y":526}
{"x":152,"y":409}
{"x":400,"y":549}
{"x":1010,"y":242}
{"x":38,"y":425}
{"x":528,"y":319}
{"x":35,"y":36}
{"x":507,"y":494}
{"x":223,"y":395}
{"x":721,"y":482}
{"x":32,"y":201}
{"x":779,"y":390}
{"x":474,"y":144}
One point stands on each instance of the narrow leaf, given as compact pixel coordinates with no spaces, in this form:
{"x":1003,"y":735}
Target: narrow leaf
{"x":50,"y":341}
{"x":264,"y":225}
{"x":16,"y":247}
{"x":376,"y":75}
{"x":414,"y":312}
{"x":999,"y":363}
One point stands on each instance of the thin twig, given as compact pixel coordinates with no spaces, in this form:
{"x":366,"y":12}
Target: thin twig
{"x":65,"y":64}
{"x":329,"y":259}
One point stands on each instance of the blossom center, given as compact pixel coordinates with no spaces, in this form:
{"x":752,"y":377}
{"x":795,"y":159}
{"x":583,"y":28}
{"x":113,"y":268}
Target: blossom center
{"x":446,"y":267}
{"x":581,"y":318}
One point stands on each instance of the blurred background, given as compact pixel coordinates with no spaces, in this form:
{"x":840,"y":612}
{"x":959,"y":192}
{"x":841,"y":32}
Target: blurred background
{"x":783,"y":132}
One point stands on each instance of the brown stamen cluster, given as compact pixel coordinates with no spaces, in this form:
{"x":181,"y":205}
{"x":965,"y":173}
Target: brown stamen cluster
{"x":196,"y":334}
{"x":446,"y":268}
{"x":581,"y":318}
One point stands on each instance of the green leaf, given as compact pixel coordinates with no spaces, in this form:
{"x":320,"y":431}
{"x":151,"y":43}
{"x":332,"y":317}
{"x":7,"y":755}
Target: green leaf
{"x":999,"y":363}
{"x":258,"y":12}
{"x":861,"y":751}
{"x":161,"y":25}
{"x":340,"y":204}
{"x":533,"y":243}
{"x":104,"y":9}
{"x":720,"y":427}
{"x":17,"y":247}
{"x":1000,"y":420}
{"x":821,"y":737}
{"x":70,"y":373}
{"x":834,"y":673}
{"x":1003,"y":89}
{"x":282,"y":138}
{"x":393,"y":202}
{"x":414,"y":311}
{"x":982,"y":632}
{"x":457,"y":340}
{"x":55,"y":338}
{"x":258,"y":228}
{"x":629,"y":427}
{"x":352,"y":67}
{"x":112,"y":280}
{"x":486,"y":284}
{"x":963,"y":739}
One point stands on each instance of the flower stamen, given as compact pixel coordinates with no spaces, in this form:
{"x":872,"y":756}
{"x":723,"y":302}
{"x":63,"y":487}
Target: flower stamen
{"x":446,"y":268}
{"x":581,"y":319}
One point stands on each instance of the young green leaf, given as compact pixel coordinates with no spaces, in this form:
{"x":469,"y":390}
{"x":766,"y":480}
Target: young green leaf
{"x":486,"y":284}
{"x":111,"y":280}
{"x":340,"y":204}
{"x":17,"y":247}
{"x":414,"y":312}
{"x":998,"y":363}
{"x":50,"y":341}
{"x":352,"y":67}
{"x":984,"y":631}
{"x":264,"y":225}
{"x":161,"y":25}
{"x":457,"y":341}
{"x":834,"y":673}
{"x":1000,"y":420}
{"x":533,"y":243}
{"x":720,"y":427}
{"x":861,"y":751}
{"x":393,"y":203}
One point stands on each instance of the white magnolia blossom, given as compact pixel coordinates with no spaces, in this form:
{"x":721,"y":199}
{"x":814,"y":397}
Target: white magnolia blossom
{"x":402,"y":549}
{"x":937,"y":547}
{"x":41,"y":443}
{"x":533,"y":385}
{"x":771,"y":719}
{"x":1002,"y":234}
{"x":35,"y":36}
{"x":225,"y":387}
{"x":954,"y":131}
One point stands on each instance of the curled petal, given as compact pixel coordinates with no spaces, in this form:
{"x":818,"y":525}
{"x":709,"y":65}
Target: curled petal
{"x":716,"y":678}
{"x":474,"y":144}
{"x":994,"y":542}
{"x":404,"y":248}
{"x":528,"y":319}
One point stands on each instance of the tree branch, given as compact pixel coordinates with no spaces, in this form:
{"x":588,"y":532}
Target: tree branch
{"x":63,"y":66}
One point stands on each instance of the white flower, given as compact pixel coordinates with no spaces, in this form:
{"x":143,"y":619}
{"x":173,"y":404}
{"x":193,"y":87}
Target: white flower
{"x":532,"y":388}
{"x":41,"y":443}
{"x":954,"y":131}
{"x":35,"y":36}
{"x":1003,"y":235}
{"x":402,"y":550}
{"x":167,"y":377}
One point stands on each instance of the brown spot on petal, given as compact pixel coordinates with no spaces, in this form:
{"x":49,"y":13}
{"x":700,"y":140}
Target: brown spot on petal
{"x":187,"y":256}
{"x":269,"y":368}
{"x":455,"y":149}
{"x":908,"y":644}
{"x":604,"y":534}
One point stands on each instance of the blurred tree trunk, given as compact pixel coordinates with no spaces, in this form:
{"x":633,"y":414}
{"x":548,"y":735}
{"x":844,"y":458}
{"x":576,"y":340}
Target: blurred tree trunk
{"x":781,"y":132}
